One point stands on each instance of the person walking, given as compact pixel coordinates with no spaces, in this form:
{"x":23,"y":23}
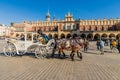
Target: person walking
{"x":114,"y":44}
{"x":98,"y":44}
{"x":118,"y":46}
{"x":86,"y":43}
{"x":102,"y":47}
{"x":107,"y":41}
{"x":111,"y":44}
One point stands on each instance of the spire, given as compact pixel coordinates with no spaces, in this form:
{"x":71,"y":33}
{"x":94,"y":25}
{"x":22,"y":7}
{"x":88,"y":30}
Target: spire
{"x":68,"y":13}
{"x":48,"y":16}
{"x":48,"y":13}
{"x":54,"y":17}
{"x":79,"y":18}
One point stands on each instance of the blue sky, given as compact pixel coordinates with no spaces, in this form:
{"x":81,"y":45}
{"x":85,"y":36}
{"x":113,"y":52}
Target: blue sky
{"x":33,"y":10}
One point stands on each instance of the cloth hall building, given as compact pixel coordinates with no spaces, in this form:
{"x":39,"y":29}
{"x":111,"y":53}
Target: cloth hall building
{"x":91,"y":29}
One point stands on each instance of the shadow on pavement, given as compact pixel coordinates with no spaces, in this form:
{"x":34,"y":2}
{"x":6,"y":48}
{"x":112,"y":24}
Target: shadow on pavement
{"x":91,"y":53}
{"x":16,"y":55}
{"x":56,"y":56}
{"x":2,"y":54}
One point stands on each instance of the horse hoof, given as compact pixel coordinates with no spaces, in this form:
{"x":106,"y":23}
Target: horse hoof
{"x":73,"y":60}
{"x":81,"y":57}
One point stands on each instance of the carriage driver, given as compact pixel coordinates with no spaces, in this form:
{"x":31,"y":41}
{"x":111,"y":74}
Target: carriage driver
{"x":43,"y":35}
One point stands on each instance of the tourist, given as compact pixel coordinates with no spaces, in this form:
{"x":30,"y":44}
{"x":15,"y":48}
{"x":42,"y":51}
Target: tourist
{"x":98,"y":44}
{"x":118,"y":46}
{"x":111,"y":44}
{"x":86,"y":43}
{"x":114,"y":44}
{"x":102,"y":47}
{"x":107,"y":41}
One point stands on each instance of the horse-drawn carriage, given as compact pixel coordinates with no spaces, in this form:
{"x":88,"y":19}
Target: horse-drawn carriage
{"x":27,"y":44}
{"x":35,"y":45}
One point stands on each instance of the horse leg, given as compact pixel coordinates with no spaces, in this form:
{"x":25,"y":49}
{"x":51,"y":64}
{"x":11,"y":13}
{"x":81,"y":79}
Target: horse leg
{"x":63,"y":54}
{"x":59,"y":53}
{"x":86,"y":48}
{"x":72,"y":55}
{"x":79,"y":54}
{"x":52,"y":55}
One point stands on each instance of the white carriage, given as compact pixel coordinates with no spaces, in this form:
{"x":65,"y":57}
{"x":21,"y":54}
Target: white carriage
{"x":28,"y":44}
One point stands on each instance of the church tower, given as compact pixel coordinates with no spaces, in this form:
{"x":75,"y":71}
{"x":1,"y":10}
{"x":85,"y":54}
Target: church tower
{"x":68,"y":17}
{"x":48,"y":16}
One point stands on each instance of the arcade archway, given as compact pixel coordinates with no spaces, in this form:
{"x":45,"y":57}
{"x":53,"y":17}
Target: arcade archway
{"x":83,"y":36}
{"x":56,"y":36}
{"x":112,"y":36}
{"x":68,"y":36}
{"x":97,"y":36}
{"x":118,"y":36}
{"x":90,"y":36}
{"x":75,"y":35}
{"x":104,"y":36}
{"x":17,"y":35}
{"x":62,"y":36}
{"x":22,"y":35}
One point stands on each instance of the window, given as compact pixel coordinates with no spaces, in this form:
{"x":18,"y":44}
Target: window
{"x":44,"y":29}
{"x":89,"y":28}
{"x":74,"y":27}
{"x":64,"y":27}
{"x":56,"y":28}
{"x":69,"y":27}
{"x":95,"y":28}
{"x":77,"y":27}
{"x":102,"y":28}
{"x":83,"y":28}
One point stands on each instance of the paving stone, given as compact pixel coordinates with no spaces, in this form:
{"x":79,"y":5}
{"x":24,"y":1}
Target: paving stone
{"x":92,"y":67}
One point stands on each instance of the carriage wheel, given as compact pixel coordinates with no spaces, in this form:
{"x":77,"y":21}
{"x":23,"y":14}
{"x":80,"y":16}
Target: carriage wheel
{"x":10,"y":49}
{"x":79,"y":54}
{"x":39,"y":52}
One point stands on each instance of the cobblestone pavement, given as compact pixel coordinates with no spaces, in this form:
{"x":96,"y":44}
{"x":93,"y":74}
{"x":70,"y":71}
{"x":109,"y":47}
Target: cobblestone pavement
{"x":92,"y":67}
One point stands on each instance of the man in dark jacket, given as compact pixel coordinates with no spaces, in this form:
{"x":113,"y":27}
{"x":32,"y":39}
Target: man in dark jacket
{"x":118,"y":46}
{"x":98,"y":44}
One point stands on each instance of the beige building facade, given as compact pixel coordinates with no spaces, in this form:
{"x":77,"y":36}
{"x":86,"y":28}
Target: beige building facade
{"x":91,"y":29}
{"x":5,"y":31}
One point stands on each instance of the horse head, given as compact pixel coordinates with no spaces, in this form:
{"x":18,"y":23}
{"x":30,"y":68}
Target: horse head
{"x":51,"y":43}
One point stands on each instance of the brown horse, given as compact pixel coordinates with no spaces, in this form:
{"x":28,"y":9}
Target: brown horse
{"x":72,"y":44}
{"x":76,"y":45}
